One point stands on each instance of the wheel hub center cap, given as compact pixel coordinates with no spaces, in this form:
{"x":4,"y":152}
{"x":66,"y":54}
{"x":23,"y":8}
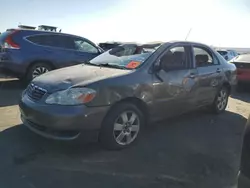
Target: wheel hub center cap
{"x":127,"y":127}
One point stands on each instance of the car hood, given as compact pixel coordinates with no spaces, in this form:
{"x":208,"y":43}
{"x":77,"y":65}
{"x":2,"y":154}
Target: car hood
{"x":78,"y":75}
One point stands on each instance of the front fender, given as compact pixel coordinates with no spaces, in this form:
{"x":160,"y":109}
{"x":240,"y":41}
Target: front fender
{"x":111,"y":91}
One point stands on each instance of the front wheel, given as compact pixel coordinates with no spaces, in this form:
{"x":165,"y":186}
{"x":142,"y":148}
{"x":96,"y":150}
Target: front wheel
{"x":122,"y":126}
{"x":220,"y":102}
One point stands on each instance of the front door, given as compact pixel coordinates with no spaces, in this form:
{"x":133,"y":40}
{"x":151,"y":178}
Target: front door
{"x":175,"y":85}
{"x":209,"y":74}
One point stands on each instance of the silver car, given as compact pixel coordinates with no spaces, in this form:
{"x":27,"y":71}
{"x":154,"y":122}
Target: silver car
{"x":117,"y":92}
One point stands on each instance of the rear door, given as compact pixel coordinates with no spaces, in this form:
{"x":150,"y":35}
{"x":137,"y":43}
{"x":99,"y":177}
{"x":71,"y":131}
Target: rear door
{"x":210,"y":74}
{"x":175,"y":85}
{"x":84,"y":50}
{"x":54,"y":48}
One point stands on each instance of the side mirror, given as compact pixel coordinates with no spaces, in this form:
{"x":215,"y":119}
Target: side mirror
{"x":226,"y":57}
{"x":157,"y":66}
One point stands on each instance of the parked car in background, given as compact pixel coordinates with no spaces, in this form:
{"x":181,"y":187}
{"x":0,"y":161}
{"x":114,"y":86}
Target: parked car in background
{"x":119,"y":91}
{"x":27,"y":54}
{"x":242,"y":62}
{"x":228,"y":54}
{"x":109,"y":45}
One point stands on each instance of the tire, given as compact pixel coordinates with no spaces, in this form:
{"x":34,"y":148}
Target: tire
{"x":117,"y":137}
{"x":218,"y":105}
{"x":36,"y":69}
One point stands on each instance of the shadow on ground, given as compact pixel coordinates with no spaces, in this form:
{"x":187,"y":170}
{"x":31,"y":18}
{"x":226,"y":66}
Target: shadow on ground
{"x":243,"y":93}
{"x":193,"y":150}
{"x":10,"y":91}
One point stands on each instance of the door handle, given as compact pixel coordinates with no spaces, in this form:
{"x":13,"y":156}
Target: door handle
{"x":192,"y":75}
{"x":218,"y":70}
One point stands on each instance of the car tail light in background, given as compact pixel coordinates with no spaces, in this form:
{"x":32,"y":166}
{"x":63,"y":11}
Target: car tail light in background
{"x":9,"y":43}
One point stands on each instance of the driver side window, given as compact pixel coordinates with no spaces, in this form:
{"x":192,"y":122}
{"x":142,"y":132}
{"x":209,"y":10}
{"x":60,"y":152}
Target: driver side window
{"x":174,"y":59}
{"x":83,"y":46}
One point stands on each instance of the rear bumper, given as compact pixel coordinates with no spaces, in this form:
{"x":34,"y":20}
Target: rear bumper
{"x":243,"y":80}
{"x":11,"y":69}
{"x":243,"y":75}
{"x":7,"y":73}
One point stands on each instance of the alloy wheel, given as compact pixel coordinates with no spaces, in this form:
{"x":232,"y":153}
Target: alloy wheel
{"x":38,"y":71}
{"x":126,"y":128}
{"x":222,"y":99}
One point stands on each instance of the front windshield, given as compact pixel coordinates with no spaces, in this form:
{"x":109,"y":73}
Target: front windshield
{"x":222,"y":52}
{"x":125,"y":56}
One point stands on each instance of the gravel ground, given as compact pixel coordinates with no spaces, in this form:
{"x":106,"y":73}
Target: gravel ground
{"x":194,"y":150}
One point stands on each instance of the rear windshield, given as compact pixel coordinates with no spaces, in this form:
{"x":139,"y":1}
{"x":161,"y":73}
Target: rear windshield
{"x":222,"y":52}
{"x":125,"y":56}
{"x":3,"y":36}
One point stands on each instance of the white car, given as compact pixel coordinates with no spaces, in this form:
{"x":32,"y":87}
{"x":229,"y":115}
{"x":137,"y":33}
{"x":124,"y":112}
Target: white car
{"x":227,"y":54}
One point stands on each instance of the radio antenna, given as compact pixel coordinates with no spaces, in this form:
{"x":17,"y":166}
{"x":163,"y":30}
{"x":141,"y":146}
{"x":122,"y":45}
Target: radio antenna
{"x":188,"y":33}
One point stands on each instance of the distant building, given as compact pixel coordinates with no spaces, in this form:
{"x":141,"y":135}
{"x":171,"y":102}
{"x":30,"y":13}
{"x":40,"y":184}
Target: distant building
{"x":47,"y":28}
{"x":26,"y":27}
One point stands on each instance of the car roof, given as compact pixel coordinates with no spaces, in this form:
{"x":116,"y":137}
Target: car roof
{"x":188,"y":42}
{"x":152,"y":45}
{"x":143,"y":45}
{"x":45,"y":32}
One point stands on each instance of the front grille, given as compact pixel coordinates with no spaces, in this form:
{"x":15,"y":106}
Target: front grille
{"x":35,"y":92}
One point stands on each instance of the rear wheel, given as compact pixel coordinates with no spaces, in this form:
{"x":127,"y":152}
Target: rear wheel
{"x":122,"y":126}
{"x":220,"y":102}
{"x":37,"y":70}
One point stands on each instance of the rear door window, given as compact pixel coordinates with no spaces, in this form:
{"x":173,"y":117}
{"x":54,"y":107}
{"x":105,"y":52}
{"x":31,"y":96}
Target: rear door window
{"x":58,"y":41}
{"x":41,"y":40}
{"x":204,"y":57}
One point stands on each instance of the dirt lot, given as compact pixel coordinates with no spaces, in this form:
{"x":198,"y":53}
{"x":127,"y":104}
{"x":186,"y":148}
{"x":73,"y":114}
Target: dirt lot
{"x":194,"y":150}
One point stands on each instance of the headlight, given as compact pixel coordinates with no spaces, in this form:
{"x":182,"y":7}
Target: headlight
{"x":72,"y":96}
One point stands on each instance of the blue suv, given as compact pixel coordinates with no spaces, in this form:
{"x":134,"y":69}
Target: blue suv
{"x":27,"y":54}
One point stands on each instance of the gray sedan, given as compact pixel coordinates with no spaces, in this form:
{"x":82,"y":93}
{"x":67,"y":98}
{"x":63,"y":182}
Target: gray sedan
{"x":121,"y":90}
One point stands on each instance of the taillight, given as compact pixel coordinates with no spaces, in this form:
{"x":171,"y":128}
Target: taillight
{"x":9,"y":43}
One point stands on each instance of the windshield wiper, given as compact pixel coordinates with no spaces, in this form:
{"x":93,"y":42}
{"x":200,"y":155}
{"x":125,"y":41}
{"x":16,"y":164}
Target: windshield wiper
{"x":89,"y":63}
{"x":112,"y":66}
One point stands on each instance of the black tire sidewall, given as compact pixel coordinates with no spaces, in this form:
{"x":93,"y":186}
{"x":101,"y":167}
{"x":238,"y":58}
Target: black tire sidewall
{"x":215,"y":106}
{"x":106,"y":136}
{"x":33,"y":67}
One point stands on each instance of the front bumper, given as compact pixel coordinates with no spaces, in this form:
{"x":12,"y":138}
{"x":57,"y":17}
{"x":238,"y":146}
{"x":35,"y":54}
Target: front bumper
{"x":60,"y":122}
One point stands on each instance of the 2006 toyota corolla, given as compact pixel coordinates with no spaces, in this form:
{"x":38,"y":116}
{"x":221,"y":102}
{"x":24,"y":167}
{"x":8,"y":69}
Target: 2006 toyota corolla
{"x":117,"y":92}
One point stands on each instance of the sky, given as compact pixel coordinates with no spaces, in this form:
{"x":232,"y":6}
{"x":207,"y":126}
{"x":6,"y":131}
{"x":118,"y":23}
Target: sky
{"x":213,"y":22}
